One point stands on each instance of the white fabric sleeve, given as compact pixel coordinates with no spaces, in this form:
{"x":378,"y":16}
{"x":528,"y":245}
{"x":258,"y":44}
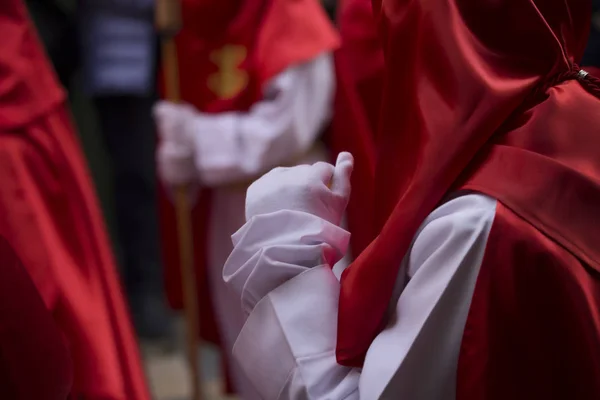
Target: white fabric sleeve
{"x":287,"y":346}
{"x":236,"y":146}
{"x":416,"y":356}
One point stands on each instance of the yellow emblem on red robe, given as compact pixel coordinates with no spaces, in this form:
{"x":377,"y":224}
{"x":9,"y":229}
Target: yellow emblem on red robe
{"x":230,"y":80}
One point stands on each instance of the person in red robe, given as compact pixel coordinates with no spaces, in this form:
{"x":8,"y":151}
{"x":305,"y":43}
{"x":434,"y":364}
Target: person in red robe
{"x":359,"y":75}
{"x":49,"y":211}
{"x":257,"y":80}
{"x":35,"y":361}
{"x":483,"y":282}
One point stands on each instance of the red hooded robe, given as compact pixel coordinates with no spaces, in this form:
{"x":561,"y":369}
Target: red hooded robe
{"x":51,"y":215}
{"x":485,"y":95}
{"x":252,"y":41}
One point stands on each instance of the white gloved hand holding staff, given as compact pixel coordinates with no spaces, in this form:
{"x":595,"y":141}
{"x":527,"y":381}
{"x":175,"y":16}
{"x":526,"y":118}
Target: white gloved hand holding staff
{"x":175,"y":154}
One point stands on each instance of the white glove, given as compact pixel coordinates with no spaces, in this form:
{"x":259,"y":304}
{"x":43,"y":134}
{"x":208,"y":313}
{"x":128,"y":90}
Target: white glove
{"x":320,"y":189}
{"x":175,"y":154}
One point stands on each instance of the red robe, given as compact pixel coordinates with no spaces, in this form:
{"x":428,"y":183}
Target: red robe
{"x":492,"y":101}
{"x":268,"y":37}
{"x":359,"y":71}
{"x":35,"y":361}
{"x":52,"y":217}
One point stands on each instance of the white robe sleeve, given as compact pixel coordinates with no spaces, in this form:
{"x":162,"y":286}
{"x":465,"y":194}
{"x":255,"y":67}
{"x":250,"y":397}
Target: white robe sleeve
{"x":236,"y":146}
{"x":287,"y":346}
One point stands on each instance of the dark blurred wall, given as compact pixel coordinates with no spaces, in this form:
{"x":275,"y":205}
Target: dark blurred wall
{"x":330,"y":7}
{"x":592,"y":52}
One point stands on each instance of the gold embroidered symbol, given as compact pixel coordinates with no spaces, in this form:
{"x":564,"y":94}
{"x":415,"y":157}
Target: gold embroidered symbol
{"x":230,"y":80}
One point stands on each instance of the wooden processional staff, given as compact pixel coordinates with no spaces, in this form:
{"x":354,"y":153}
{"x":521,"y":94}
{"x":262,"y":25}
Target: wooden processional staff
{"x":168,"y":23}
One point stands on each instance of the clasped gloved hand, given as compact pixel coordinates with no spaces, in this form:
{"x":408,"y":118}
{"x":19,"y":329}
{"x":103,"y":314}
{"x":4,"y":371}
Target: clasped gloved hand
{"x":320,"y":189}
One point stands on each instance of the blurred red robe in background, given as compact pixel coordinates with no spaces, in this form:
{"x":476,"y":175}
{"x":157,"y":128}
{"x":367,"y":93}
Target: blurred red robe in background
{"x":49,"y":212}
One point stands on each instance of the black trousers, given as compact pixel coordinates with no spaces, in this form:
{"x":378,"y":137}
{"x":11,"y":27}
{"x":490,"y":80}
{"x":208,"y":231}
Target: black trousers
{"x":129,"y":132}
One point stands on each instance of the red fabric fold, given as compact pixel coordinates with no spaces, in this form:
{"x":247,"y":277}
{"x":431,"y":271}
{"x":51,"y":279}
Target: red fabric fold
{"x":34,"y":360}
{"x":359,"y":74}
{"x":52,"y":216}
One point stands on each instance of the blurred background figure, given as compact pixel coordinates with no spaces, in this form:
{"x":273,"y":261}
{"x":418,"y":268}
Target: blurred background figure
{"x":118,"y":47}
{"x":258,"y":81}
{"x":50,"y":214}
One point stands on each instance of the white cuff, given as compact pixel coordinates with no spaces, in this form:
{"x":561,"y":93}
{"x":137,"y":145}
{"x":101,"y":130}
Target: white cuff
{"x":292,"y":331}
{"x":273,"y":248}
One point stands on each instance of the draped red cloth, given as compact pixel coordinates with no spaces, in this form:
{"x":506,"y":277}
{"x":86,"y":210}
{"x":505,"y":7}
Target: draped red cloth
{"x":362,"y":56}
{"x":263,"y":38}
{"x":479,"y":95}
{"x":534,"y":321}
{"x":51,"y":214}
{"x":34,"y":360}
{"x":359,"y":72}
